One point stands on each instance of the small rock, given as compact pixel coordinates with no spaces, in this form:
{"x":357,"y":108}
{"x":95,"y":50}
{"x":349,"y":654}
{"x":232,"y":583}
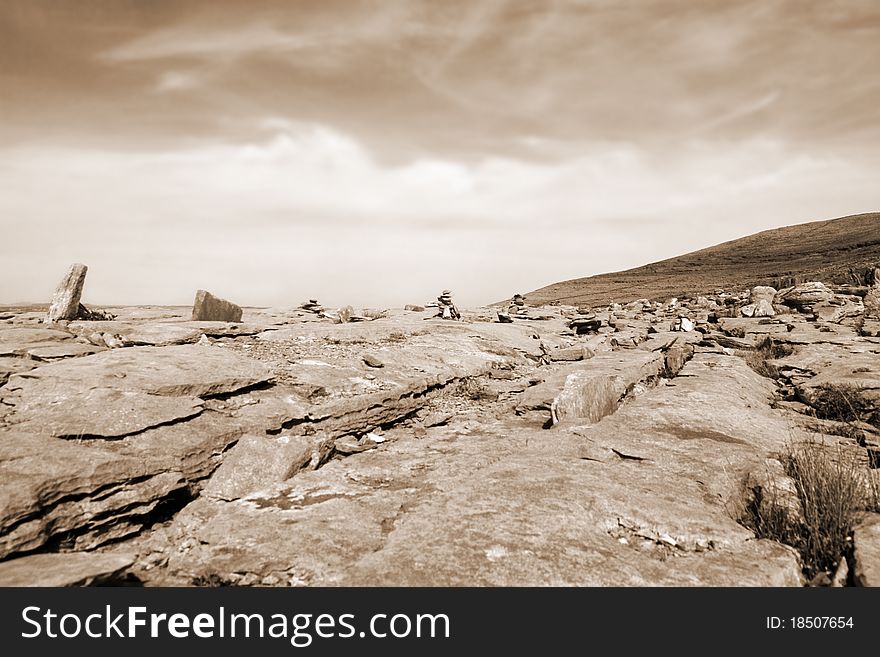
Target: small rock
{"x":414,"y":308}
{"x":112,"y":341}
{"x":372,"y":361}
{"x":571,"y":354}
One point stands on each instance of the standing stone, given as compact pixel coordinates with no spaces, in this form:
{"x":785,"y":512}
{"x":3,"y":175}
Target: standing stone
{"x":209,"y":308}
{"x":65,"y":302}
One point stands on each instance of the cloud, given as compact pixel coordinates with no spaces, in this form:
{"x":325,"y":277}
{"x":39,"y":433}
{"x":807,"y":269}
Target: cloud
{"x":310,"y":208}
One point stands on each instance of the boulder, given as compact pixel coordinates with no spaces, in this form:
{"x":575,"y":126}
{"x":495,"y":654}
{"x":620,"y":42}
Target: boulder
{"x":207,"y":307}
{"x":803,"y":296}
{"x":760,"y":308}
{"x":65,"y":302}
{"x":762,"y":292}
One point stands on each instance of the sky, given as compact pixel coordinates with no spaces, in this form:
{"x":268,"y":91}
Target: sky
{"x":374,"y":153}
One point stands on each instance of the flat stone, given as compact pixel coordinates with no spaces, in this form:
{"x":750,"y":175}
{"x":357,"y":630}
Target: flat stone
{"x":256,"y":462}
{"x":64,"y":569}
{"x":208,"y":307}
{"x":70,"y":350}
{"x":100,"y":412}
{"x":17,"y":340}
{"x":181,"y":370}
{"x":571,"y":354}
{"x":65,"y":302}
{"x":517,"y":505}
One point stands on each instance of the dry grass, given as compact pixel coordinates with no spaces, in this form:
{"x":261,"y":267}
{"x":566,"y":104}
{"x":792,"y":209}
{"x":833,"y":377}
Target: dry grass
{"x":844,"y":403}
{"x":765,"y":351}
{"x":831,"y":484}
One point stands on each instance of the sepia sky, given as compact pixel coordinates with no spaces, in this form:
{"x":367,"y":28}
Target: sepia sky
{"x":376,"y":152}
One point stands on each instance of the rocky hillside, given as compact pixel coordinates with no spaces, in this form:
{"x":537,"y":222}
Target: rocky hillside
{"x":836,"y":251}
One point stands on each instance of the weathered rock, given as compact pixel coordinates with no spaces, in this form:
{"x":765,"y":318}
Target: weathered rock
{"x":564,"y":507}
{"x":571,"y":354}
{"x":257,"y":462}
{"x":65,"y":302}
{"x":17,"y":340}
{"x":64,"y":569}
{"x":69,"y":350}
{"x":762,"y":293}
{"x":872,"y":303}
{"x":100,"y":412}
{"x":184,"y":370}
{"x":803,"y":296}
{"x":372,"y":361}
{"x":761,"y":308}
{"x":676,"y":356}
{"x":866,"y":540}
{"x":594,"y":392}
{"x":414,"y":308}
{"x":210,"y":308}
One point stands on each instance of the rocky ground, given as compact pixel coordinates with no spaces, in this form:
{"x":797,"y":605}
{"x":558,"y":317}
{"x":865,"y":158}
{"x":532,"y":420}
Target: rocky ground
{"x":616,"y":446}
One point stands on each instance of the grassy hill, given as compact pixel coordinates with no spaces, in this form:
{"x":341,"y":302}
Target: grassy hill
{"x":835,"y":251}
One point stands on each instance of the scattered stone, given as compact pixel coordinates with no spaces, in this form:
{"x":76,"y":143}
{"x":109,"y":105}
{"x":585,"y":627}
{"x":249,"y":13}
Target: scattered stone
{"x":683,"y":324}
{"x":207,"y":307}
{"x":65,"y":302}
{"x":414,"y":308}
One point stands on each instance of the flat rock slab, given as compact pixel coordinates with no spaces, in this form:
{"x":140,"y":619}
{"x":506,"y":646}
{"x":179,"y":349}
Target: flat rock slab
{"x":260,"y":461}
{"x":184,"y":370}
{"x":500,"y":502}
{"x":63,"y":569}
{"x":67,"y":350}
{"x":100,"y":412}
{"x":15,"y":341}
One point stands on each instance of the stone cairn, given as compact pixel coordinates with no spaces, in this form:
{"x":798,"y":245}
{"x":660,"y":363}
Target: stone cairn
{"x":516,"y":310}
{"x":446,"y":308}
{"x":312,"y":306}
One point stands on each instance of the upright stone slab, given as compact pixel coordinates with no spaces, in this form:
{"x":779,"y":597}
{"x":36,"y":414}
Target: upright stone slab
{"x":65,"y":302}
{"x":209,"y":308}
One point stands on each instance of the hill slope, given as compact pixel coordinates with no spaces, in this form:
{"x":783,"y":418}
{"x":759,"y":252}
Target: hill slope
{"x":835,"y":251}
